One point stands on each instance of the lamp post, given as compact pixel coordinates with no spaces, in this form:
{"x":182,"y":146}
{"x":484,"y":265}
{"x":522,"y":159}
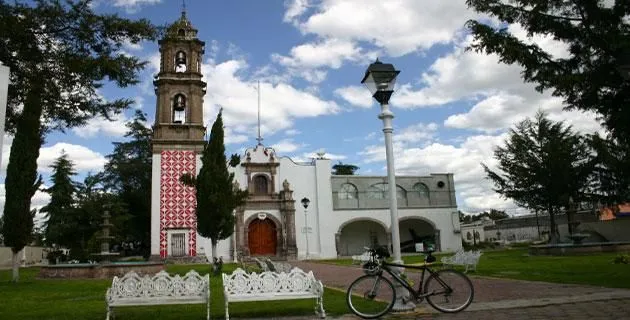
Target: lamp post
{"x":380,"y":79}
{"x":305,"y":202}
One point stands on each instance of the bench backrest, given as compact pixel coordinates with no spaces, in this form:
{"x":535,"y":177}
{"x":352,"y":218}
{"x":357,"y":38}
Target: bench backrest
{"x":241,"y":283}
{"x":161,"y":285}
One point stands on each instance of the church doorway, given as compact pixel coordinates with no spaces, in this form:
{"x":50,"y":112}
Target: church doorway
{"x":262,"y":237}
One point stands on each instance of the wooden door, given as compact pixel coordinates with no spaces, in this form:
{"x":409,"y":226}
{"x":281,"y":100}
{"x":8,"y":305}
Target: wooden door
{"x":262,"y":237}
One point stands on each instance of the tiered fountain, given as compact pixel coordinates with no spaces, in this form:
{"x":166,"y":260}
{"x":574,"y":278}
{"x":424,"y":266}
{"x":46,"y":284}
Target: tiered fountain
{"x":106,"y":268}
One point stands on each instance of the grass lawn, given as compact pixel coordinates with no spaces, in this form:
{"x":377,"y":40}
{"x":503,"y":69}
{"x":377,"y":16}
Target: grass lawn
{"x":594,"y":269}
{"x":33,"y":298}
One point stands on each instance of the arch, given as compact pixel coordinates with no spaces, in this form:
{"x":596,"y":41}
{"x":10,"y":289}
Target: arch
{"x":421,"y":190}
{"x":417,"y":229}
{"x":181,"y":61}
{"x":261,"y":184}
{"x":179,"y":104}
{"x":381,"y":191}
{"x":279,"y":239}
{"x":348,"y":191}
{"x":356,"y":234}
{"x":468,"y":236}
{"x":344,"y":224}
{"x":181,"y":32}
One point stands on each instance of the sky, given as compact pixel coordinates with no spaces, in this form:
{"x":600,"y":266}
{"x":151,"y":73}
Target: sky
{"x":452,"y":107}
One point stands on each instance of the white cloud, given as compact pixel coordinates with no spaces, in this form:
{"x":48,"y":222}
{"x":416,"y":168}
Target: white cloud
{"x":103,"y":127}
{"x":84,"y":159}
{"x":38,"y":200}
{"x":400,"y":27}
{"x":417,"y":133}
{"x":132,"y":6}
{"x":281,"y":103}
{"x":356,"y":96}
{"x":295,"y":8}
{"x":292,"y":132}
{"x":286,"y":146}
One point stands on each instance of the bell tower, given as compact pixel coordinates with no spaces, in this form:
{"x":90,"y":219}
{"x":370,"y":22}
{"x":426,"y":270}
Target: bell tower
{"x":178,"y":140}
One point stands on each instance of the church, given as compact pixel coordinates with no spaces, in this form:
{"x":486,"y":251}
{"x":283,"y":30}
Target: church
{"x":343,"y":214}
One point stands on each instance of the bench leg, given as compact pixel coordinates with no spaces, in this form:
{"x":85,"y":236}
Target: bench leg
{"x":319,"y":307}
{"x":227,"y":311}
{"x":208,"y":309}
{"x":109,"y":309}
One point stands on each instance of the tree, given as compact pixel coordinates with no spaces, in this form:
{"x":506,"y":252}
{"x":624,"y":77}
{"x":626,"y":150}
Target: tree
{"x":58,"y":228}
{"x":59,"y":53}
{"x":542,"y":165}
{"x":344,"y":169}
{"x":591,"y":77}
{"x":612,"y":174}
{"x":217,"y":193}
{"x":128,"y":174}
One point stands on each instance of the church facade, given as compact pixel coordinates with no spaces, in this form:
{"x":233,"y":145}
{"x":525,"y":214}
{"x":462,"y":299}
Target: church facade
{"x":344,"y":214}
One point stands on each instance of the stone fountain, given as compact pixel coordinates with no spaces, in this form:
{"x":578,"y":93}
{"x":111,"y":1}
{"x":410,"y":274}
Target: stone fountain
{"x":106,"y":268}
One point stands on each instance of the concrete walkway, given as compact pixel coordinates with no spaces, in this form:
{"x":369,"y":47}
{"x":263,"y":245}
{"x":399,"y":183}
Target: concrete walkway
{"x":503,"y":298}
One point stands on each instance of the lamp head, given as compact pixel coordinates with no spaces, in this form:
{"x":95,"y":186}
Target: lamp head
{"x":380,"y":79}
{"x":305,"y":202}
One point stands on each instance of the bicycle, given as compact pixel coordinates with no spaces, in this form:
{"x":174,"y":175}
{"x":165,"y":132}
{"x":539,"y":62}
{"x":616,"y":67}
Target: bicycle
{"x":376,"y":294}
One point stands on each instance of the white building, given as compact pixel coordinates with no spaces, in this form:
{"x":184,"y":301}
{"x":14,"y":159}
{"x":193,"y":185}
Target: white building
{"x":345,"y":213}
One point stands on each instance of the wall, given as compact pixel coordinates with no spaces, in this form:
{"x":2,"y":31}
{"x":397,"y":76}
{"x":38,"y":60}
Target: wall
{"x":28,"y":256}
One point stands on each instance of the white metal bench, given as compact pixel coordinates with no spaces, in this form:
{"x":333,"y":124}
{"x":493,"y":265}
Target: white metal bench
{"x":297,"y":284}
{"x":468,"y":259}
{"x":160,"y":289}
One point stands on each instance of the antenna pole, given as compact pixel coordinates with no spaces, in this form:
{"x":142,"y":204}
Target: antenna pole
{"x":259,"y":137}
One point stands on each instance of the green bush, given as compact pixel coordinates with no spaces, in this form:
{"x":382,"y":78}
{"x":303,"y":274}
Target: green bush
{"x":622,"y":258}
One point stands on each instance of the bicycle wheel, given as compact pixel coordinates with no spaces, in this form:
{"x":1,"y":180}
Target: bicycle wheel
{"x":452,"y":291}
{"x":371,"y":296}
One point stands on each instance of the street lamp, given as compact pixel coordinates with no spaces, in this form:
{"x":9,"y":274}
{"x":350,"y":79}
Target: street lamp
{"x":305,"y":202}
{"x":380,"y":79}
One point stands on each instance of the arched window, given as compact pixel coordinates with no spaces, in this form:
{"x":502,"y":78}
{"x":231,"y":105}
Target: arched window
{"x":348,"y":191}
{"x":468,"y":236}
{"x":381,"y":191}
{"x":422,"y":190}
{"x":180,"y":61}
{"x":181,"y":32}
{"x":179,"y":108}
{"x":260,"y":184}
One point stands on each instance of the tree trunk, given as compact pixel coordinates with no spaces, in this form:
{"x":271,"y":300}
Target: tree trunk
{"x":553,"y":230}
{"x":16,"y":267}
{"x":214,"y":249}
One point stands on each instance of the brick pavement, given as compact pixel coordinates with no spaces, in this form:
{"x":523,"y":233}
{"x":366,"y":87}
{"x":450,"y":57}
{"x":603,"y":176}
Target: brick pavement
{"x":505,"y":298}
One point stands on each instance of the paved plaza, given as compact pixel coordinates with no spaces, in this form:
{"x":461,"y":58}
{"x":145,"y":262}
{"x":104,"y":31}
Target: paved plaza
{"x":502,"y":298}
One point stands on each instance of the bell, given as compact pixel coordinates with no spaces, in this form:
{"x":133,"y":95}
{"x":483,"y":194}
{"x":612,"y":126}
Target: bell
{"x":180,"y":59}
{"x":180,"y":104}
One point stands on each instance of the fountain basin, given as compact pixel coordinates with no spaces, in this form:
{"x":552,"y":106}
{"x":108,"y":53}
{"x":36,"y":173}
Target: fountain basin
{"x":578,"y":248}
{"x":98,"y":271}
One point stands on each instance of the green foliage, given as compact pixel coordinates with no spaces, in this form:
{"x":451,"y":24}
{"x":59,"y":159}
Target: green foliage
{"x":59,"y":231}
{"x":344,"y":169}
{"x":217,"y":193}
{"x":612,"y":173}
{"x":59,"y":53}
{"x":128,"y":174}
{"x":235,"y":160}
{"x":590,"y":77}
{"x":622,"y":258}
{"x":493,"y":214}
{"x":542,"y":165}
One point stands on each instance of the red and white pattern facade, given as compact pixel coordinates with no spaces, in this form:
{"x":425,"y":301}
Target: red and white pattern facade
{"x":177,"y":201}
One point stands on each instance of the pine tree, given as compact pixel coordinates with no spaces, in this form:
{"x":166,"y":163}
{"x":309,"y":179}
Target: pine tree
{"x":344,"y":169}
{"x":59,"y":229}
{"x":59,"y":53}
{"x":217,"y":193}
{"x":542,"y":165}
{"x":593,"y":77}
{"x":128,"y":174}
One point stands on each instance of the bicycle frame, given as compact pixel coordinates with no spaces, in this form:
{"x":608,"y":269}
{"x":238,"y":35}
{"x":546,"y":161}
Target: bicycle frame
{"x":417,"y":293}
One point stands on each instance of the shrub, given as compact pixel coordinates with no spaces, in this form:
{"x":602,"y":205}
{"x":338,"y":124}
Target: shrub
{"x":622,"y":258}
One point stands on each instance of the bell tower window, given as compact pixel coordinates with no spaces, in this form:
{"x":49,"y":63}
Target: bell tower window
{"x":181,"y":32}
{"x":179,"y":109}
{"x":180,"y":62}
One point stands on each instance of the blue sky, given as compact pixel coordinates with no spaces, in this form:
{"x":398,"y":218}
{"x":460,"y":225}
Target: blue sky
{"x":452,"y":107}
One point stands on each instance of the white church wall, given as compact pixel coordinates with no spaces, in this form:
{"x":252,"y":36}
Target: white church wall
{"x":326,"y":234}
{"x":155,"y":204}
{"x":301,"y":177}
